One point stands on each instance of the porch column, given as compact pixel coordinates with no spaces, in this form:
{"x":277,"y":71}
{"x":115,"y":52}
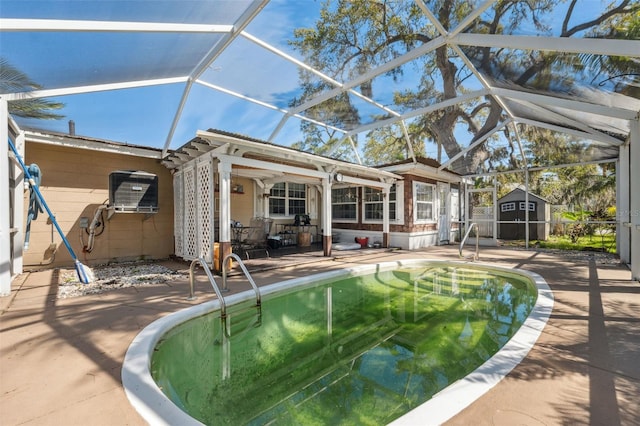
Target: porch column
{"x":622,"y":204}
{"x":634,"y":211}
{"x":224,"y":172}
{"x":385,"y":216}
{"x":326,"y":216}
{"x":5,"y":231}
{"x":266,"y":191}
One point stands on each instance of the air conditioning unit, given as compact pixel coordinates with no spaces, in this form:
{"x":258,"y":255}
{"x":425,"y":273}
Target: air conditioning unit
{"x":133,"y":191}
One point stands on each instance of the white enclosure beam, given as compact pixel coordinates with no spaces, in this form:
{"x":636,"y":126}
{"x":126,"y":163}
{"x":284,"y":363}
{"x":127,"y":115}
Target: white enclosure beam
{"x":596,"y":138}
{"x":576,"y":105}
{"x":409,"y":56}
{"x":214,"y":52}
{"x":421,"y":111}
{"x":61,"y":25}
{"x":65,"y":91}
{"x":594,"y":46}
{"x":568,"y":122}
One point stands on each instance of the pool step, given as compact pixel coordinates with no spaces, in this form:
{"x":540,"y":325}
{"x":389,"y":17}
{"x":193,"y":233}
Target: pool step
{"x":446,"y":279}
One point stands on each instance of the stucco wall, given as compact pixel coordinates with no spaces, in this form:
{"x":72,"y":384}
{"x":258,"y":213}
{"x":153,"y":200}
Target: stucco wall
{"x":75,"y":182}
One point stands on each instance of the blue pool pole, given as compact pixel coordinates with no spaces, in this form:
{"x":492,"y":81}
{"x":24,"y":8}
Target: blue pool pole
{"x":84,"y":273}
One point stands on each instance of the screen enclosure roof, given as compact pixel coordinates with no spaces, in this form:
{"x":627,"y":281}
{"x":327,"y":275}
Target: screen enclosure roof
{"x":478,"y":85}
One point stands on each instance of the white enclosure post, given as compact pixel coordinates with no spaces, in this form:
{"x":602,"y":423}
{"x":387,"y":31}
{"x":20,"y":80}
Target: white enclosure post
{"x":622,"y":205}
{"x":634,"y":211}
{"x":385,"y":216}
{"x":526,"y":208}
{"x":224,"y":169}
{"x":5,"y":231}
{"x":17,"y":221}
{"x":326,"y":216}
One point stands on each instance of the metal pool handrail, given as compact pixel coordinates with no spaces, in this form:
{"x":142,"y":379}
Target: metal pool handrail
{"x":223,"y":304}
{"x":246,"y":274}
{"x":466,"y":236}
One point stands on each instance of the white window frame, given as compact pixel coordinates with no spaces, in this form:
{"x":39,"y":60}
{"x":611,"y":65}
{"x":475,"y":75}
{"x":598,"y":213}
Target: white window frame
{"x":532,"y":206}
{"x":354,"y":202}
{"x":508,"y":207}
{"x":433,"y":202}
{"x":393,"y":204}
{"x":286,"y":199}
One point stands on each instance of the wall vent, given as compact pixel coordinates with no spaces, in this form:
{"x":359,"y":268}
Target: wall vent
{"x":133,"y":191}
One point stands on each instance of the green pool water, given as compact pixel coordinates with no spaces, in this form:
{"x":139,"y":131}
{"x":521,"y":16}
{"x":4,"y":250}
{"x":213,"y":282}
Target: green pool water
{"x":359,"y":350}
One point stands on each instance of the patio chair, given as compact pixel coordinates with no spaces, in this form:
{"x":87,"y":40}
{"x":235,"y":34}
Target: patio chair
{"x":256,"y":241}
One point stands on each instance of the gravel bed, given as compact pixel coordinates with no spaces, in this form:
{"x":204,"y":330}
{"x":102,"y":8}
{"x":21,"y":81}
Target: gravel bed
{"x":598,"y":256}
{"x":115,"y":277}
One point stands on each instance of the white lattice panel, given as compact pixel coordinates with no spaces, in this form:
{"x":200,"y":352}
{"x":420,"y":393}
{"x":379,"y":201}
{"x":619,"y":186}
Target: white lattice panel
{"x":190,"y":215}
{"x":178,"y":214}
{"x":204,"y":194}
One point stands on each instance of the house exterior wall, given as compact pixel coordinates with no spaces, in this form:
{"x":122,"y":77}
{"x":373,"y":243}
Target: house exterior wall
{"x":74,"y":183}
{"x":404,"y":233}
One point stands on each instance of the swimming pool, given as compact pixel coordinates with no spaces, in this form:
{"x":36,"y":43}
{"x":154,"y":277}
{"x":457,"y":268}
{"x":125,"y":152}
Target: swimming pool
{"x":353,"y":350}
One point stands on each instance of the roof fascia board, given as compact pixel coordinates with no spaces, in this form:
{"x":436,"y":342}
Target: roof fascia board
{"x":597,"y":138}
{"x":72,"y":142}
{"x":596,"y":46}
{"x":423,"y":170}
{"x":62,"y":25}
{"x":608,"y":111}
{"x":267,"y":165}
{"x":284,"y":152}
{"x":91,"y":88}
{"x":366,"y":182}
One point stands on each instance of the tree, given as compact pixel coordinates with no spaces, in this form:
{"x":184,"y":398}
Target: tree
{"x":12,"y":80}
{"x":352,"y":36}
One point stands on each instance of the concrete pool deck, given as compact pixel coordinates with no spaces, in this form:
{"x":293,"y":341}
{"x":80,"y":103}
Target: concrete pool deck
{"x":61,"y":358}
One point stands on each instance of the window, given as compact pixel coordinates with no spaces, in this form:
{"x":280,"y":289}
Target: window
{"x":423,"y":202}
{"x":344,"y":204}
{"x":508,"y":207}
{"x":532,"y":206}
{"x":374,"y":201}
{"x":288,"y":199}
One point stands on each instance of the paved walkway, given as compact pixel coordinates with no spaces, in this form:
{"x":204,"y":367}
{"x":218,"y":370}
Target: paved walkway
{"x":61,"y":358}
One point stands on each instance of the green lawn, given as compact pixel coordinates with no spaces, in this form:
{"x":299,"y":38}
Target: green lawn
{"x":595,"y":242}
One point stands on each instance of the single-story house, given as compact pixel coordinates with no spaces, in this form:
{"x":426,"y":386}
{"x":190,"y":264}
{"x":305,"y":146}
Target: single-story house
{"x":217,"y":189}
{"x":224,"y":182}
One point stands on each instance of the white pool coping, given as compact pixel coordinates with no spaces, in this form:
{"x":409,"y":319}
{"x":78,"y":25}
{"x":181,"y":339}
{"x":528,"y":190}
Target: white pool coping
{"x":145,"y":396}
